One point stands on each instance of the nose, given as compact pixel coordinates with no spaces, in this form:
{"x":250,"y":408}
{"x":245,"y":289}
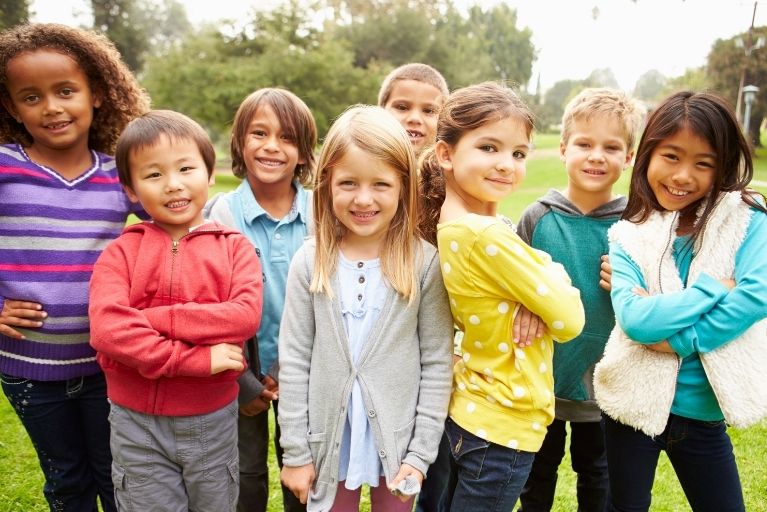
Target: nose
{"x":414,"y":116}
{"x":507,"y":165}
{"x":596,"y":154}
{"x":363,"y":197}
{"x":173,"y":182}
{"x":682,"y":175}
{"x":52,"y":105}
{"x":272,"y":143}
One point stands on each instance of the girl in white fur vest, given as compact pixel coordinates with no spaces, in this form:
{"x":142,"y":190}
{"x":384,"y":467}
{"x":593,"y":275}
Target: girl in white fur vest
{"x":689,"y":349}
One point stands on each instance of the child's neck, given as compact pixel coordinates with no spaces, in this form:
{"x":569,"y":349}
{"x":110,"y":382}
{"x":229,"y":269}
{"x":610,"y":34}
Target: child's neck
{"x":458,"y":203}
{"x":587,"y":201}
{"x":68,"y":163}
{"x":361,"y":248}
{"x":275,"y":198}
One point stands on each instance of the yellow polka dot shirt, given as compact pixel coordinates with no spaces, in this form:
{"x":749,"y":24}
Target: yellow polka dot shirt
{"x":502,"y":393}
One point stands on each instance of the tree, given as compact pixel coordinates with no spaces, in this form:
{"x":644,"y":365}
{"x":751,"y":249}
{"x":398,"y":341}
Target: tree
{"x":602,"y":77}
{"x":13,"y":12}
{"x":727,"y":62}
{"x":554,"y":100}
{"x":650,"y":85}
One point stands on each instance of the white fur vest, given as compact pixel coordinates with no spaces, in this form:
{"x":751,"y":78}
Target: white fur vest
{"x":634,"y":384}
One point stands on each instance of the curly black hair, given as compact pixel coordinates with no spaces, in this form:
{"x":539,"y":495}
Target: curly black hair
{"x":122,"y":99}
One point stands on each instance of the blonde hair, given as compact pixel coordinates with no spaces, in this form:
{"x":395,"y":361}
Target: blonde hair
{"x":376,"y":132}
{"x":603,"y":101}
{"x":413,"y":71}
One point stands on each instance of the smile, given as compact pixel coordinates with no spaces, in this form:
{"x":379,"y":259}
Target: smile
{"x":594,"y":172}
{"x":414,"y":134}
{"x":365,"y":215}
{"x":178,"y":204}
{"x":58,"y":126}
{"x":676,"y":192}
{"x":267,"y":162}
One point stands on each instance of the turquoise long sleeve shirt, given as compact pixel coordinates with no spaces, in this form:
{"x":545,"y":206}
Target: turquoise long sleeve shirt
{"x":699,"y":319}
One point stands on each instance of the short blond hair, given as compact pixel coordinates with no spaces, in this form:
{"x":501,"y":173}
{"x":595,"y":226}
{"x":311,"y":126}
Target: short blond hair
{"x":413,"y":71}
{"x":604,"y":101}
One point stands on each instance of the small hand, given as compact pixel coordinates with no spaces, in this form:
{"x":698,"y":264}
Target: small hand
{"x":406,"y":470}
{"x":605,"y":273}
{"x":255,"y":406}
{"x":662,"y":346}
{"x":19,"y":313}
{"x":272,"y":386}
{"x":728,"y":283}
{"x":299,"y":480}
{"x":527,"y":327}
{"x":226,"y":356}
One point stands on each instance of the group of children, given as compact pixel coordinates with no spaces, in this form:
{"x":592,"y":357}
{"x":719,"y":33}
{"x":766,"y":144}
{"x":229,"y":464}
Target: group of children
{"x":338,"y":307}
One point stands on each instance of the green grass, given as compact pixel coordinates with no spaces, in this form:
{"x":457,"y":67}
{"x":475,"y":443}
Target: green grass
{"x":21,"y":480}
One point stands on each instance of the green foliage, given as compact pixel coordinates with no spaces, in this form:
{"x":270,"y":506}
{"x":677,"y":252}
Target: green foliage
{"x":13,"y":12}
{"x":650,"y":85}
{"x":727,"y":63}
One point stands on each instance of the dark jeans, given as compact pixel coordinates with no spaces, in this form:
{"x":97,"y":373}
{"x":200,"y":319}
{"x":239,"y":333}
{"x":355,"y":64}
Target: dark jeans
{"x":587,"y":453}
{"x":253,"y":443}
{"x":699,"y":451}
{"x":67,"y":422}
{"x":432,"y":495}
{"x":484,"y":476}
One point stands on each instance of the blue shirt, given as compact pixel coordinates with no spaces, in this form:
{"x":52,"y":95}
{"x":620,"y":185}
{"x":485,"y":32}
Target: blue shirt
{"x":363,"y":293}
{"x":276,"y":241}
{"x":698,"y":319}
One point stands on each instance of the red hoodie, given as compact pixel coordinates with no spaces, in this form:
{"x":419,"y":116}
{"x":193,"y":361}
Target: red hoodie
{"x":156,"y":307}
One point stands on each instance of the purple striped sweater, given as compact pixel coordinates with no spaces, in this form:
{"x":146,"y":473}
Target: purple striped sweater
{"x":51,"y":232}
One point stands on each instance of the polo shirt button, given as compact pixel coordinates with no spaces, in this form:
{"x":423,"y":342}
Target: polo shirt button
{"x":359,"y":297}
{"x":360,"y":264}
{"x":278,"y":236}
{"x":361,"y":279}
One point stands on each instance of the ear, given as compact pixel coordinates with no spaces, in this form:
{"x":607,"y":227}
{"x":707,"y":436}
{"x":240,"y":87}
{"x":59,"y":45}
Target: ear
{"x":629,"y":158}
{"x":562,"y":148}
{"x":212,"y":179}
{"x":443,"y":153}
{"x":131,"y":194}
{"x":97,"y":101}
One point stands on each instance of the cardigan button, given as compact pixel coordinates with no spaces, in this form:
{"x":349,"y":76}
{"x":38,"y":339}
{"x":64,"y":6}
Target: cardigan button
{"x":372,"y":413}
{"x":382,"y":454}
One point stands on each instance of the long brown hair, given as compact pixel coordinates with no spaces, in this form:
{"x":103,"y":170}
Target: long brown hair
{"x":465,"y":110}
{"x":709,"y":117}
{"x":376,"y":132}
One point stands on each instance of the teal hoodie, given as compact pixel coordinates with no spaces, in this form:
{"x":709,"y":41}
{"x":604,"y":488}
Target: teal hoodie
{"x":577,"y":241}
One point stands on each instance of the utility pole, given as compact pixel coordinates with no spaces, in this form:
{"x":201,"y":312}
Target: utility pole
{"x":748,"y":46}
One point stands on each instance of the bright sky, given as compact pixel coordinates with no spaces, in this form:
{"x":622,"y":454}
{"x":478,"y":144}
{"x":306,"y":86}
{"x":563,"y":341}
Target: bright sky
{"x":573,"y":37}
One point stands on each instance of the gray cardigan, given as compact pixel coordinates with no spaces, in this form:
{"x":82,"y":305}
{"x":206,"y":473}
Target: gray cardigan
{"x":405,"y":372}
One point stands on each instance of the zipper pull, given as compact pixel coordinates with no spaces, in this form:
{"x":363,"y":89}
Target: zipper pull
{"x":174,"y":249}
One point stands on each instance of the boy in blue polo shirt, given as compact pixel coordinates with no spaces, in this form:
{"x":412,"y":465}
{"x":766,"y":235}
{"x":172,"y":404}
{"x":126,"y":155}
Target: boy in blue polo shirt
{"x":272,"y":144}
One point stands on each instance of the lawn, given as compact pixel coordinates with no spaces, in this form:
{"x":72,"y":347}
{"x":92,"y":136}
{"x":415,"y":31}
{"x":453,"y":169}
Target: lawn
{"x":21,"y":480}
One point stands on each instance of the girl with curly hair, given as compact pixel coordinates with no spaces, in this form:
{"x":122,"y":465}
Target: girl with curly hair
{"x":66,"y":95}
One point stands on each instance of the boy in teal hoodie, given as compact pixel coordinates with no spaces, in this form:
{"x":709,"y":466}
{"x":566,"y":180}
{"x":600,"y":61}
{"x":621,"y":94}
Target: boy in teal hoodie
{"x":599,"y":130}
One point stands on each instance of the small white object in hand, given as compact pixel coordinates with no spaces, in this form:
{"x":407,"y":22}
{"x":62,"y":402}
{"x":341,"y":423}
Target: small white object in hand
{"x":408,"y":486}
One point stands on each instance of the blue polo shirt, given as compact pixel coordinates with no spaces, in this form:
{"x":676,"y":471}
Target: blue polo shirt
{"x":276,"y":241}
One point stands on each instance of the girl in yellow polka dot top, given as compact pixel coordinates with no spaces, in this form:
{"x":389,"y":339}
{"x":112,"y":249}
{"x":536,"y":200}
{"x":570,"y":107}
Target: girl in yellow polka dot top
{"x":503,"y":397}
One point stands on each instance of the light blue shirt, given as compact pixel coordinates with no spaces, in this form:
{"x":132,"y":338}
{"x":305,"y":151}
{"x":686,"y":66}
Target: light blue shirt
{"x":698,"y":319}
{"x":363,"y":292}
{"x":276,"y":241}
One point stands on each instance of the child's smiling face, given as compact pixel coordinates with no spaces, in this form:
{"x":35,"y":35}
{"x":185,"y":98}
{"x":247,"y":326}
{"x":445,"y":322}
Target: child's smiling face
{"x":50,"y":94}
{"x":416,"y":106}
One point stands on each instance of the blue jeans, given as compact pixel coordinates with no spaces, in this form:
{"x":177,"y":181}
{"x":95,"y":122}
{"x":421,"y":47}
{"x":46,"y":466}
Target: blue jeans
{"x":700,"y":452}
{"x":67,"y":424}
{"x":587,"y":454}
{"x":484,"y":476}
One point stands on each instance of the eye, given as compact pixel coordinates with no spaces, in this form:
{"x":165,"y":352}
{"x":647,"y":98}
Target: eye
{"x":288,"y":138}
{"x":430,"y":111}
{"x":66,"y":92}
{"x":670,"y":156}
{"x":152,"y":175}
{"x":258,"y":133}
{"x":186,"y":168}
{"x":614,"y":148}
{"x":382,"y":184}
{"x":582,"y":144}
{"x":401,"y":106}
{"x":30,"y":98}
{"x":706,"y":165}
{"x":488,"y":148}
{"x":519,"y":155}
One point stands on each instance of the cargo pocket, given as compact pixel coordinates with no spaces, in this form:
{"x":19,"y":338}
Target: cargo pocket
{"x":233,"y":470}
{"x":122,"y":498}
